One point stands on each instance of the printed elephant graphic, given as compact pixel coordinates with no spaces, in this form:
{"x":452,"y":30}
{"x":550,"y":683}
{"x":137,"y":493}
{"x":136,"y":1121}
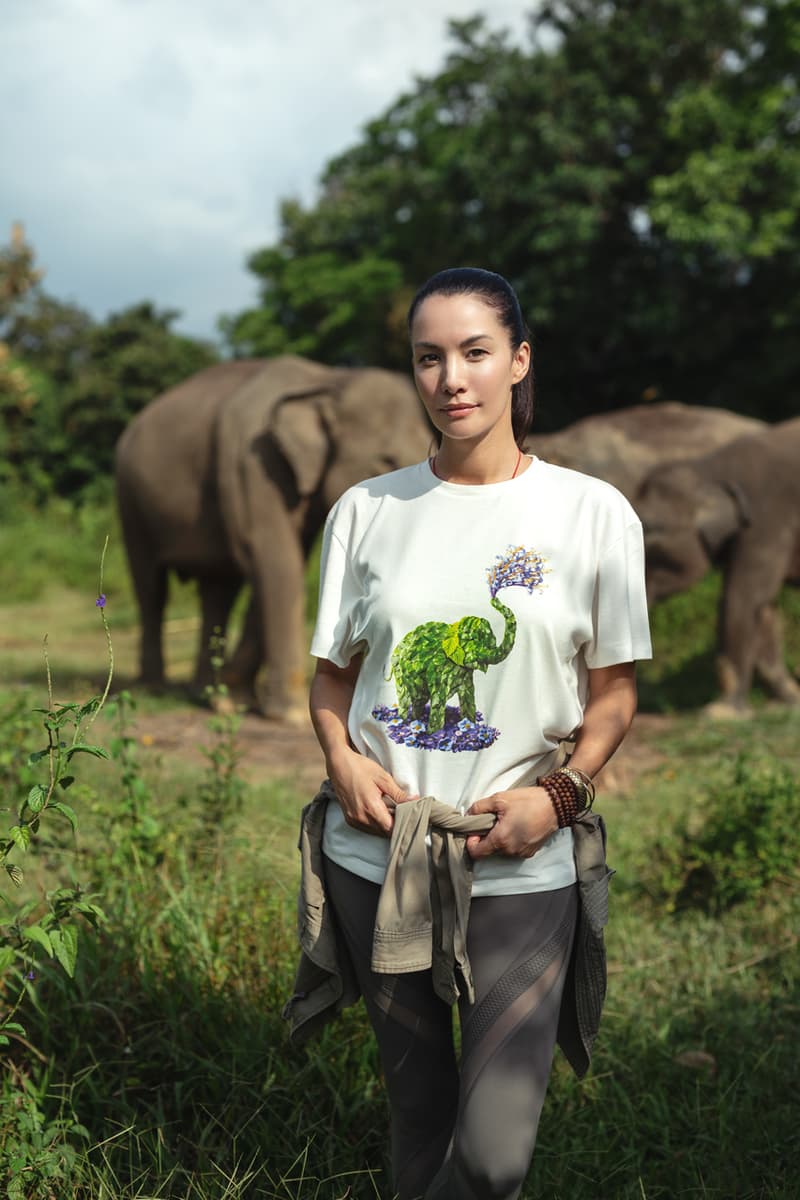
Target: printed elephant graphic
{"x":436,"y":661}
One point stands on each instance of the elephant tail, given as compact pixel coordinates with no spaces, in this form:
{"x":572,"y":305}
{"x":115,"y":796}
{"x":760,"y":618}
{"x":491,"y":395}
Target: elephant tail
{"x":505,"y":647}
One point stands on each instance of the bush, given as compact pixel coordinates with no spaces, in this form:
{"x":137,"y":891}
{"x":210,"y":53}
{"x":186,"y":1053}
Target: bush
{"x":745,"y":835}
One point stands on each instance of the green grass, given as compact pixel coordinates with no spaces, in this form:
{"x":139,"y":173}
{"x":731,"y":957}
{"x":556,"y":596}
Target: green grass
{"x":163,"y":1071}
{"x":53,"y":553}
{"x":682,"y":672}
{"x":170,"y":1049}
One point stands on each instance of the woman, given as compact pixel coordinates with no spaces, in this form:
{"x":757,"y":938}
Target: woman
{"x":421,"y":689}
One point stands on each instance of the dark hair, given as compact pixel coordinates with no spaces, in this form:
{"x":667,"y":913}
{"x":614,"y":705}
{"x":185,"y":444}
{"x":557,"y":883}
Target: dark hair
{"x":498,"y":293}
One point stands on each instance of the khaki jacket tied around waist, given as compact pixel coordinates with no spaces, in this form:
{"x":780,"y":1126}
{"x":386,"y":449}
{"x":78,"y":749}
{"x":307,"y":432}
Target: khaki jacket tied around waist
{"x":422,"y":918}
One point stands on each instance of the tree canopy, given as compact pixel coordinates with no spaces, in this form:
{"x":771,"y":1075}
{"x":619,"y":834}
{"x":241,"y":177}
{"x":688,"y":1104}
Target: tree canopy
{"x":70,"y":384}
{"x":633,"y":169}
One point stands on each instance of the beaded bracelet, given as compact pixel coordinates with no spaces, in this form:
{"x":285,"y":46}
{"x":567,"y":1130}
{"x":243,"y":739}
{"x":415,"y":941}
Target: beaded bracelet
{"x":570,"y":791}
{"x":582,"y":781}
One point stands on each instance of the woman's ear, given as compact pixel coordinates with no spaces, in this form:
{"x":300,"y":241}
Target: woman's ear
{"x":522,"y":361}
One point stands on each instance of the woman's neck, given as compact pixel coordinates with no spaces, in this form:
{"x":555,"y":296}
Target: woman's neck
{"x":470,"y":463}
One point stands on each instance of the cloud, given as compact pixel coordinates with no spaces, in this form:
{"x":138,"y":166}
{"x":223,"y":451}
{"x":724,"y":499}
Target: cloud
{"x":147,"y":144}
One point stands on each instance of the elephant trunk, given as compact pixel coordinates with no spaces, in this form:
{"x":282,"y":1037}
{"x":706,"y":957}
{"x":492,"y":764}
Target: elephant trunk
{"x":505,"y":647}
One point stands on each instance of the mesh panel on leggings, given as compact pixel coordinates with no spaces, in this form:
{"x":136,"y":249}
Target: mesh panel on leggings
{"x":516,"y":981}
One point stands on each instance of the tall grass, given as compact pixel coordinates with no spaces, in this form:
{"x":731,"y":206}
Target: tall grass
{"x":163,"y":1070}
{"x":169,"y":1049}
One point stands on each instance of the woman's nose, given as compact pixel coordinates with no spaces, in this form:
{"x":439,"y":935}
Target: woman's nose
{"x":452,"y":376}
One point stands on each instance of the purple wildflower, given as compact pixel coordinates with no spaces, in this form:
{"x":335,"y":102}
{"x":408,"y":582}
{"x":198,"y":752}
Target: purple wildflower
{"x":518,"y":567}
{"x":457,"y":734}
{"x":100,"y":602}
{"x":31,"y":975}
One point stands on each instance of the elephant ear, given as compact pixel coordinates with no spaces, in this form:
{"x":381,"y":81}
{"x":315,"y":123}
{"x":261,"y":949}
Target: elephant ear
{"x":723,"y":510}
{"x":301,"y":427}
{"x":451,"y":644}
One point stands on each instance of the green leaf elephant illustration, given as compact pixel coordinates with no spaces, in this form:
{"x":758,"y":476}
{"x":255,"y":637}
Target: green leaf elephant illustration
{"x":436,"y":661}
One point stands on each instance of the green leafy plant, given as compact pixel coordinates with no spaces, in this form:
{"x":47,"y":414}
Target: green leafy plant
{"x":744,"y":835}
{"x":38,"y":1156}
{"x":136,"y":832}
{"x":222,"y":791}
{"x":50,"y":925}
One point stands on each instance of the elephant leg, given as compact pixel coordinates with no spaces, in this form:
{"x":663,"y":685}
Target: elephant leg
{"x":149,"y":578}
{"x":217,"y":596}
{"x":404,"y":698}
{"x":436,"y":715}
{"x":279,"y":596}
{"x":438,"y":710}
{"x":466,"y":696}
{"x":151,"y":594}
{"x":770,"y":664}
{"x":243,"y":665}
{"x":752,"y":579}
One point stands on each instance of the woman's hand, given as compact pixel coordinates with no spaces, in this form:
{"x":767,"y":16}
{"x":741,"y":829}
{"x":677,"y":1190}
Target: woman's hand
{"x":525,"y":819}
{"x":361,"y":785}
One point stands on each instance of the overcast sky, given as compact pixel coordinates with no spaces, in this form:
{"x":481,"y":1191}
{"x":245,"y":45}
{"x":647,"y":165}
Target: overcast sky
{"x":146,"y":143}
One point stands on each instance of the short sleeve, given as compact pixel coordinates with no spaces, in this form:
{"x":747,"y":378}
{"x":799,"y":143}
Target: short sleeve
{"x":339,"y":593}
{"x":621,"y":626}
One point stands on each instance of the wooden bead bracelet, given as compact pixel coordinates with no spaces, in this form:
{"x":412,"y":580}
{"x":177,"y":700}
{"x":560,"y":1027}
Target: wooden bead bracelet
{"x":570,"y":791}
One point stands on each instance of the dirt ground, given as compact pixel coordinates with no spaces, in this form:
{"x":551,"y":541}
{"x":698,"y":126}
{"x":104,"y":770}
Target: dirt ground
{"x":271,"y":751}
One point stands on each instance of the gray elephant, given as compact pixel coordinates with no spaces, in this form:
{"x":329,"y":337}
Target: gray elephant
{"x":738,"y":507}
{"x":622,"y":447}
{"x":435,"y":662}
{"x":227,"y":479}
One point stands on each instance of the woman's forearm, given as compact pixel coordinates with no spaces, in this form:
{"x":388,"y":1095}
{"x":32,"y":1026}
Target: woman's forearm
{"x":330,"y":698}
{"x":607,"y":718}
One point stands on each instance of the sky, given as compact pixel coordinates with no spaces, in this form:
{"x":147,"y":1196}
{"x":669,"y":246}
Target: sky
{"x":146,"y":144}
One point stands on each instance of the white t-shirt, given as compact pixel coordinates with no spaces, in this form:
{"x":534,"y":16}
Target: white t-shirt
{"x":462,"y":708}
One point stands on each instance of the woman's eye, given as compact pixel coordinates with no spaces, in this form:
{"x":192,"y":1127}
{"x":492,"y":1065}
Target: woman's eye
{"x":425,"y":359}
{"x":477,"y":352}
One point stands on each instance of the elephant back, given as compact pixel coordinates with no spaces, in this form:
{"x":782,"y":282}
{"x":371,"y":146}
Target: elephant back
{"x":625,"y":446}
{"x":165,"y":459}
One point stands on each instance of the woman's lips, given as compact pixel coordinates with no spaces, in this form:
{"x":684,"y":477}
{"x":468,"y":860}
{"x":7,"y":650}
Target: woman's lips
{"x":457,"y":410}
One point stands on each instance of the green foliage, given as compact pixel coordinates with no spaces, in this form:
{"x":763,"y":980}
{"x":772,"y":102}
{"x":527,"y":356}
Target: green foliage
{"x":315,"y":309}
{"x":168,"y":1050}
{"x":740,"y":836}
{"x":38,"y":1153}
{"x":633,"y":170}
{"x":682,"y":671}
{"x":135,"y":831}
{"x":50,"y":924}
{"x":221,"y":791}
{"x":161,"y":1066}
{"x":69,"y":385}
{"x":92,"y":379}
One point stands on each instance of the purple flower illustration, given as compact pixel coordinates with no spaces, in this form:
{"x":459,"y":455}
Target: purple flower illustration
{"x":456,"y":735}
{"x":518,"y":567}
{"x":100,"y":602}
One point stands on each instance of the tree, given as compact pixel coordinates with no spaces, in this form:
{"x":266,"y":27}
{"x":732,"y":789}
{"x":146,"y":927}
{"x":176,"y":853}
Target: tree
{"x":634,"y":173}
{"x":69,"y":384}
{"x":127,"y":360}
{"x":18,"y":391}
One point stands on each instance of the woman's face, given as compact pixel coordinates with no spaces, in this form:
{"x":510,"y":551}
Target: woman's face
{"x":464,"y":366}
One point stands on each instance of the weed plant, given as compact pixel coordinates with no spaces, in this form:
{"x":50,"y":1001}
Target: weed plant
{"x":37,"y":1151}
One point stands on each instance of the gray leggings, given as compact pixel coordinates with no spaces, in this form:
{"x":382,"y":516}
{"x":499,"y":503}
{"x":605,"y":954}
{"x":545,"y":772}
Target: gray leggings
{"x":466,"y":1132}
